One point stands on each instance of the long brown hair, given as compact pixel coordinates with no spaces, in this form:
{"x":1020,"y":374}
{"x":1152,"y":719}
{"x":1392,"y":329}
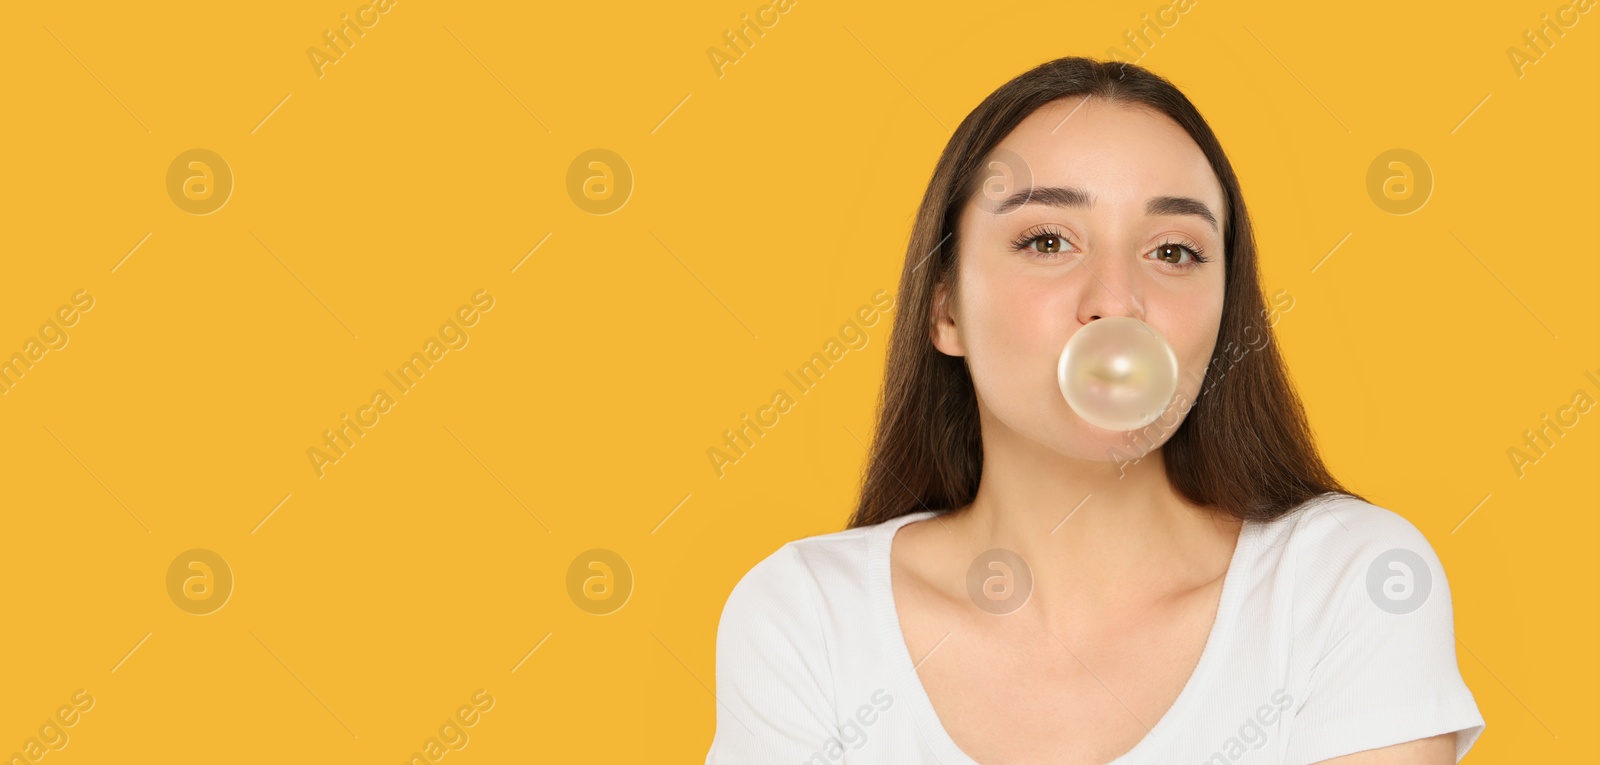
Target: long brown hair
{"x":1245,"y":447}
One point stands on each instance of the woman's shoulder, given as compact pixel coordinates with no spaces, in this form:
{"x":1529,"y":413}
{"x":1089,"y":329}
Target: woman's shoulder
{"x":797,"y":639}
{"x":807,"y":592}
{"x":1350,"y":562}
{"x":1371,"y":617}
{"x":822,"y":559}
{"x":1333,"y":532}
{"x":798,"y":578}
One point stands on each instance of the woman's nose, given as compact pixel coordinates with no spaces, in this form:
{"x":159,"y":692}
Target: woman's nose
{"x":1108,"y":287}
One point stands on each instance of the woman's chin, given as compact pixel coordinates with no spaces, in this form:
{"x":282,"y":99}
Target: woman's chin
{"x":1078,"y":440}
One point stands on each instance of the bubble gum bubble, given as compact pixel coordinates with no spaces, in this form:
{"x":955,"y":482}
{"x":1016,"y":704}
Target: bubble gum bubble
{"x":1118,"y":373}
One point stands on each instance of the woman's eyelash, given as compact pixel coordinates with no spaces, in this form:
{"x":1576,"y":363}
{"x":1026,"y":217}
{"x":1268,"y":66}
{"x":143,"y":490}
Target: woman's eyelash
{"x":1034,"y":234}
{"x":1195,"y":252}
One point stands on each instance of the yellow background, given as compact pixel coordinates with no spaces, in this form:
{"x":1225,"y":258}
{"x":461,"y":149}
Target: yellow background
{"x":768,"y":204}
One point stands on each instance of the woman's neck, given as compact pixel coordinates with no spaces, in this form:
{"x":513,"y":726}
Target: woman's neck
{"x":1098,"y":537}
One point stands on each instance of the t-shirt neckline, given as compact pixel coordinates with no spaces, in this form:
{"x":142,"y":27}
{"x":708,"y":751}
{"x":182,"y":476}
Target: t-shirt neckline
{"x":908,"y":684}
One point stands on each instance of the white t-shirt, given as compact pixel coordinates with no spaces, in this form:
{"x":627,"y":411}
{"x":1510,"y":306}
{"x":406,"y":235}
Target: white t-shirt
{"x":1334,"y":634}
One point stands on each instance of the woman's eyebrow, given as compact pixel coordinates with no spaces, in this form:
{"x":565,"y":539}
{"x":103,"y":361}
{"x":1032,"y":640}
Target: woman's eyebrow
{"x":1180,"y":206}
{"x":1072,"y":196}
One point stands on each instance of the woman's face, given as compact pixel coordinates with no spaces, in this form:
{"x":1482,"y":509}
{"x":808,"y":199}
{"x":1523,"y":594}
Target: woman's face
{"x":1092,"y":209}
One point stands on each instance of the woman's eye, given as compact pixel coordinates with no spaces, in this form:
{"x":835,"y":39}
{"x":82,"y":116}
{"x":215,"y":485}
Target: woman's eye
{"x":1173,"y":254}
{"x":1047,"y":244}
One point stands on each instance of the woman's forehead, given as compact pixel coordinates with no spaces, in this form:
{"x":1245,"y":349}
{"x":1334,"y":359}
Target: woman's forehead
{"x":1118,"y":153}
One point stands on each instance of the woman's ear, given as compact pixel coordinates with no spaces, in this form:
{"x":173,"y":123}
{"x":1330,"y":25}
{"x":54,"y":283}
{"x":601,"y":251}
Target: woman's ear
{"x":946,"y":337}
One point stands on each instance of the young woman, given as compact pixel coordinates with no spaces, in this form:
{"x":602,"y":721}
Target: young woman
{"x":1019,"y":586}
